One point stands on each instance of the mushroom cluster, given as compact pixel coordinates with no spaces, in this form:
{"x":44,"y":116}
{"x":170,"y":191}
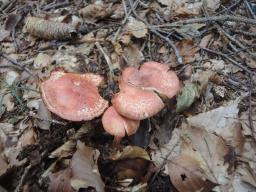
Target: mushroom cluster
{"x":139,"y":97}
{"x":75,"y":97}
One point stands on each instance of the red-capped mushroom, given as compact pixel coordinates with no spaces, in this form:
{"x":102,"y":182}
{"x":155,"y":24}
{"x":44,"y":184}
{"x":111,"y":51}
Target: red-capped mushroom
{"x":97,"y":80}
{"x":153,"y":76}
{"x":117,"y":125}
{"x":135,"y":103}
{"x":72,"y":96}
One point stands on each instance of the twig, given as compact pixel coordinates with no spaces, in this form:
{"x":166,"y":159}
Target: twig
{"x":240,"y":19}
{"x":56,"y":6}
{"x":252,"y":34}
{"x":229,"y":59}
{"x":249,"y":8}
{"x":14,"y":62}
{"x":230,"y":7}
{"x":22,"y":179}
{"x":109,"y":63}
{"x":156,"y":32}
{"x":250,"y":109}
{"x":163,"y":163}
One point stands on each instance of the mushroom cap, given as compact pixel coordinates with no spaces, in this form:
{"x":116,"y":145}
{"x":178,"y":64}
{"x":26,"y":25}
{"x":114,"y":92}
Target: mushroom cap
{"x":153,"y":76}
{"x":135,"y":103}
{"x":72,"y":96}
{"x":117,"y":125}
{"x":97,"y":80}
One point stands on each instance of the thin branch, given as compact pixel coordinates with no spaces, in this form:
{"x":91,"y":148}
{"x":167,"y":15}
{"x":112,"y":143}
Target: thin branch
{"x":250,"y":109}
{"x":14,"y":62}
{"x":156,"y":32}
{"x":109,"y":63}
{"x":223,"y":18}
{"x":229,"y":59}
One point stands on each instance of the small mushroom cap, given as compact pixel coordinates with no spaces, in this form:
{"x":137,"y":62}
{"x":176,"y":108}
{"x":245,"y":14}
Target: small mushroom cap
{"x":118,"y":125}
{"x":153,"y":76}
{"x":135,"y":103}
{"x":72,"y":97}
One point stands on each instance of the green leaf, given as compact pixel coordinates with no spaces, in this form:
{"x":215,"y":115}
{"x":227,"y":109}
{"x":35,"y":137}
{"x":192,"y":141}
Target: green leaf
{"x":187,"y":97}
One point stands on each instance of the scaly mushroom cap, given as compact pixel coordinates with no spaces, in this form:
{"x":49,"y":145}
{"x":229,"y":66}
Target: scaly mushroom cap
{"x":153,"y":76}
{"x":135,"y":103}
{"x":118,"y":125}
{"x":72,"y":96}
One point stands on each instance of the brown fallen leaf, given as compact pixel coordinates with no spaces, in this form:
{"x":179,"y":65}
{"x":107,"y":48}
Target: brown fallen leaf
{"x":3,"y":166}
{"x":44,"y":121}
{"x":84,"y":168}
{"x":132,"y":163}
{"x":60,"y":181}
{"x":187,"y":175}
{"x":42,"y":60}
{"x":96,"y":11}
{"x":210,"y":150}
{"x":133,"y":56}
{"x":11,"y":21}
{"x":137,"y":28}
{"x":188,"y":50}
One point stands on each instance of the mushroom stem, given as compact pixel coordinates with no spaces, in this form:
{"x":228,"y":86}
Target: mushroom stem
{"x":117,"y":140}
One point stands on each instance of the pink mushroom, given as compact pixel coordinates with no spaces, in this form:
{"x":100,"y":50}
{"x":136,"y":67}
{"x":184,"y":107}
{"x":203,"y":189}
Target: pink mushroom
{"x":73,"y":96}
{"x":153,"y":76}
{"x":117,"y":125}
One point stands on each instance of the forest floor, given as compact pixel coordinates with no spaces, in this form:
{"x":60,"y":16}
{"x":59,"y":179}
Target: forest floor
{"x":204,"y":138}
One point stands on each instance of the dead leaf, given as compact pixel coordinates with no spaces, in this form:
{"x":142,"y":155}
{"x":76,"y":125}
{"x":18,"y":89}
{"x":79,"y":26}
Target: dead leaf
{"x":11,"y":21}
{"x":210,"y":150}
{"x":28,"y":137}
{"x":187,"y":175}
{"x":96,"y":11}
{"x":244,"y":119}
{"x":60,"y":181}
{"x":10,"y":77}
{"x":137,"y":28}
{"x":221,"y":120}
{"x":133,"y":55}
{"x":44,"y":121}
{"x":42,"y":60}
{"x":4,"y":34}
{"x":84,"y":167}
{"x":172,"y":148}
{"x":131,"y":152}
{"x":188,"y":50}
{"x":187,"y":97}
{"x":3,"y":166}
{"x":64,"y":150}
{"x":213,"y":5}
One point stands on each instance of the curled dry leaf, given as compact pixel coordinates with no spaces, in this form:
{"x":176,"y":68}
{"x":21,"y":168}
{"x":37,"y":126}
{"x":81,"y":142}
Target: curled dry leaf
{"x":136,"y":28}
{"x":221,"y":120}
{"x":131,"y":152}
{"x":45,"y":29}
{"x":210,"y":150}
{"x":3,"y":166}
{"x":187,"y":97}
{"x":11,"y":22}
{"x":186,"y":175}
{"x":60,"y":181}
{"x":133,"y":56}
{"x":4,"y":34}
{"x":42,"y":60}
{"x":188,"y":50}
{"x":45,"y":117}
{"x":96,"y":11}
{"x":84,"y":167}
